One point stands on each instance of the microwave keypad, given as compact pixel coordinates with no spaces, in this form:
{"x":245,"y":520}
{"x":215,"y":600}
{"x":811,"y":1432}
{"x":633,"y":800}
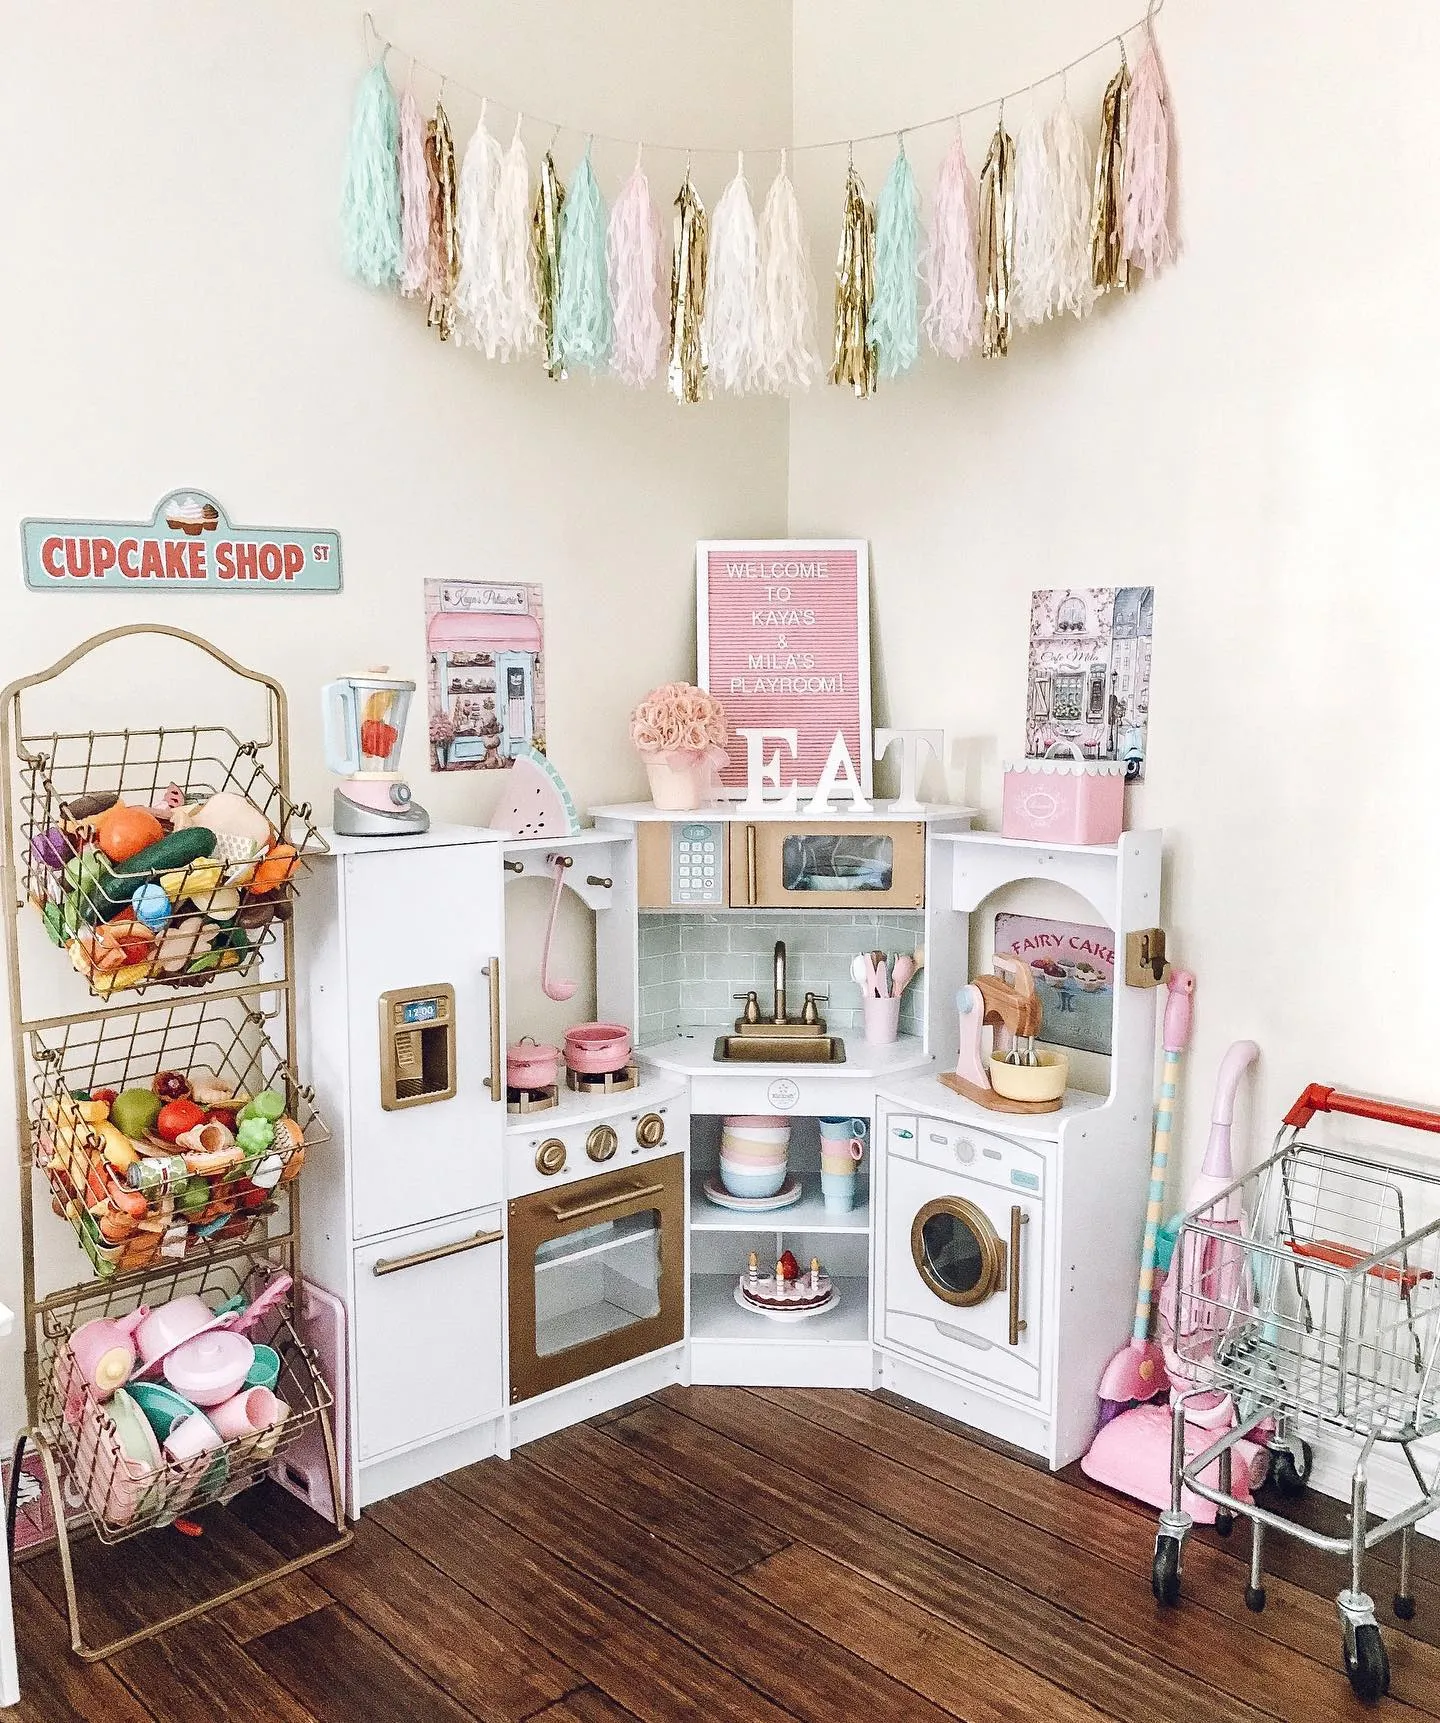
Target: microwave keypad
{"x":696,"y":851}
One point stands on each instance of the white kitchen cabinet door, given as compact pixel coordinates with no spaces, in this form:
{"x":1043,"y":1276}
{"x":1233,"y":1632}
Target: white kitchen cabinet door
{"x":429,"y":1333}
{"x":413,"y":919}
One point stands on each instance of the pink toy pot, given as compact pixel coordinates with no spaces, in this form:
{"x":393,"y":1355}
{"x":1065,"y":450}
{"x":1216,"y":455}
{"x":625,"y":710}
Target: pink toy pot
{"x":529,"y":1065}
{"x":1074,"y":801}
{"x":210,"y":1368}
{"x":104,"y":1351}
{"x":595,"y":1049}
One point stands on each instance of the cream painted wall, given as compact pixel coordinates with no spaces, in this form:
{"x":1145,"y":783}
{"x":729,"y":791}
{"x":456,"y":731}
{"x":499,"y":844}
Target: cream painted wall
{"x":176,"y":313}
{"x":1255,"y":433}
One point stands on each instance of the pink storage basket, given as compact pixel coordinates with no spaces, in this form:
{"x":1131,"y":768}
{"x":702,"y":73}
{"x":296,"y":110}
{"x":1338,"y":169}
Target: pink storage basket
{"x":1074,"y":801}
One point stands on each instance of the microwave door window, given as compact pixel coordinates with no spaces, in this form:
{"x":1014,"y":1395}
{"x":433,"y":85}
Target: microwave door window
{"x":837,"y":861}
{"x":595,"y":1282}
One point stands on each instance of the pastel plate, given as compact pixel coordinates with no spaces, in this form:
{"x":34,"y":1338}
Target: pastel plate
{"x":162,"y":1406}
{"x":789,"y":1192}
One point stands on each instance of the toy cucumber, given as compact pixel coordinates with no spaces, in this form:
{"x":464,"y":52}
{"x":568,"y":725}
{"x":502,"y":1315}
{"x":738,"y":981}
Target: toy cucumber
{"x":175,"y":850}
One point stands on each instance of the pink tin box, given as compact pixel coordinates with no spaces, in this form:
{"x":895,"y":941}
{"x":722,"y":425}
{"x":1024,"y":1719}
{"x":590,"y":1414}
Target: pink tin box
{"x":1075,"y":801}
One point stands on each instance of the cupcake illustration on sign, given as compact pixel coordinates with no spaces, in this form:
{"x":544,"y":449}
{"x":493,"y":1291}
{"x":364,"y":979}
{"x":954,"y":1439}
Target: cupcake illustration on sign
{"x":191,"y":514}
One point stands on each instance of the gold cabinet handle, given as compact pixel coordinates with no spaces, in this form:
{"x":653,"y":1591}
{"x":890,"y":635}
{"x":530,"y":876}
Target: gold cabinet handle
{"x":570,"y":1211}
{"x":393,"y":1264}
{"x":494,"y":1082}
{"x":1017,"y":1327}
{"x":752,"y":884}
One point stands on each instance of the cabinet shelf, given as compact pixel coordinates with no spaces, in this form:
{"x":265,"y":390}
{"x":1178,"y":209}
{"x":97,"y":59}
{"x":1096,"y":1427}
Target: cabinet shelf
{"x":714,"y":1315}
{"x":808,"y":1215}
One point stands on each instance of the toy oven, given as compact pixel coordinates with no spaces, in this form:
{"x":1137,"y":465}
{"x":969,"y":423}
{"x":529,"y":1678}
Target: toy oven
{"x":597,"y":1274}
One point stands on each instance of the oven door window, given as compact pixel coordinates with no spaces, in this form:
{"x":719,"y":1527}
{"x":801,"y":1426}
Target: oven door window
{"x":598,"y":1281}
{"x":959,"y":1254}
{"x":837,"y":861}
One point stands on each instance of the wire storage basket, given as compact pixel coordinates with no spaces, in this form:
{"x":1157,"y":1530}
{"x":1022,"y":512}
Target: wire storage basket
{"x":164,"y":1131}
{"x":157,"y":858}
{"x":1323,"y":1301}
{"x":120,"y":1468}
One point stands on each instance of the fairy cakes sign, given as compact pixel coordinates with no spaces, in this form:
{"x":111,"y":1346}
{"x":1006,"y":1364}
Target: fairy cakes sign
{"x":188,"y":545}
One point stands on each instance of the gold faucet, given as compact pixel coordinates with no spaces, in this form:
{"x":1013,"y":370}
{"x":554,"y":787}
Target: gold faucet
{"x":809,"y":1025}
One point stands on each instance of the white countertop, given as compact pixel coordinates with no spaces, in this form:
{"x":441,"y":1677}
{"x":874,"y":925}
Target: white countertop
{"x":438,"y":837}
{"x":692,"y":1053}
{"x":634,"y":812}
{"x":579,"y":1107}
{"x":927,"y":1094}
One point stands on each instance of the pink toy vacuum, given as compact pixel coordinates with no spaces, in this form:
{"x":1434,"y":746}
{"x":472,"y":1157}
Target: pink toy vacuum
{"x":1131,"y":1452}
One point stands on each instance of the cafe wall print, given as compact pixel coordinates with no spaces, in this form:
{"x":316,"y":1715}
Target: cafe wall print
{"x":189,"y":544}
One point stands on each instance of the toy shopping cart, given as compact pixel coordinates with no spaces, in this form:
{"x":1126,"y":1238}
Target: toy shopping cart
{"x":1309,"y":1293}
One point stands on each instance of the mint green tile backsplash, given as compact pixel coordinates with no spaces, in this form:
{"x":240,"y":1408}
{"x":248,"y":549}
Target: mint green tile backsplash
{"x":690,"y":965}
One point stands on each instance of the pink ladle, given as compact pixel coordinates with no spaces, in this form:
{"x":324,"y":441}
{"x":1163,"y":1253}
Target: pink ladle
{"x":559,"y":991}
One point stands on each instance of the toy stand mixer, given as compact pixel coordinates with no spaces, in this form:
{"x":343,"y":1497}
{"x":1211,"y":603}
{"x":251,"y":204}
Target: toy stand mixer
{"x":364,"y":718}
{"x":1016,"y":1077}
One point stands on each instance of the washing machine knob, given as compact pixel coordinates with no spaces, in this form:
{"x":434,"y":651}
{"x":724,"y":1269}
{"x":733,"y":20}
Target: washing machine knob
{"x":964,"y":1151}
{"x":550,"y":1157}
{"x":650,"y":1132}
{"x":602,"y":1143}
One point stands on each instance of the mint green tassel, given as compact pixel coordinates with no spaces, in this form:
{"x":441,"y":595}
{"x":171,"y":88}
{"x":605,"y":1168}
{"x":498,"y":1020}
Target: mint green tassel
{"x":584,"y":325}
{"x":370,"y":209}
{"x":893,"y":327}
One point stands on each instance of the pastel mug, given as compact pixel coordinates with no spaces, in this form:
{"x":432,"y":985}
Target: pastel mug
{"x":246,"y":1414}
{"x":839,"y":1190}
{"x":190,"y":1438}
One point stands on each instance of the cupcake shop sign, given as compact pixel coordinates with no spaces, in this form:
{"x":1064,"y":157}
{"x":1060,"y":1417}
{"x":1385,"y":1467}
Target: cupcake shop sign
{"x":188,"y":545}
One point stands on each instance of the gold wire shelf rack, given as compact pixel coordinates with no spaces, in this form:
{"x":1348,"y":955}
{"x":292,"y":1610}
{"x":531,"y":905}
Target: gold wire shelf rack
{"x":137,"y":1202}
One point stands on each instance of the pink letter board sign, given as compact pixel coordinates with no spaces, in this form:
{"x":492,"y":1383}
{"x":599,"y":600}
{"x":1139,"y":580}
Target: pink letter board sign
{"x":783,"y":641}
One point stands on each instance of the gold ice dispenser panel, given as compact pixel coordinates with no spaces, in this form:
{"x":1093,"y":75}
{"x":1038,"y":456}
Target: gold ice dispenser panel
{"x":417,"y":1046}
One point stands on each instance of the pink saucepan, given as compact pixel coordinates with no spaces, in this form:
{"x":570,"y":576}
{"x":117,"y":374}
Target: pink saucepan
{"x":593,"y":1049}
{"x":530,"y":1065}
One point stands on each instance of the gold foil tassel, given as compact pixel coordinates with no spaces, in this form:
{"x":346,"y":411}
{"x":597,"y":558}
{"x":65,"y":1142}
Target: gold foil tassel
{"x":545,"y":238}
{"x":444,"y":266}
{"x":997,"y":239}
{"x":1108,"y":265}
{"x":854,"y":356}
{"x":685,"y":375}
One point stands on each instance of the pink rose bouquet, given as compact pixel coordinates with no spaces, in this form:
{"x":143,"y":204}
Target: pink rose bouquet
{"x":680,"y":726}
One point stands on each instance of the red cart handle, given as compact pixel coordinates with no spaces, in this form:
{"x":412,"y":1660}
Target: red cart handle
{"x":1318,"y":1099}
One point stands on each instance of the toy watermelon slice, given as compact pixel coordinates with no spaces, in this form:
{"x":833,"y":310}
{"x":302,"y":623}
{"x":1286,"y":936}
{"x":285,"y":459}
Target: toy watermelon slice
{"x":538,"y":805}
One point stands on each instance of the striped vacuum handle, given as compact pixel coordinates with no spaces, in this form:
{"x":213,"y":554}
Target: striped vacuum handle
{"x":1154,"y":1214}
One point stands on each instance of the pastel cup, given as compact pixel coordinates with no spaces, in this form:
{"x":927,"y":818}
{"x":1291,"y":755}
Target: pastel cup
{"x":245,"y":1414}
{"x":264,"y":1372}
{"x":190,"y":1438}
{"x":882,"y":1021}
{"x":839,"y":1190}
{"x":843,"y":1130}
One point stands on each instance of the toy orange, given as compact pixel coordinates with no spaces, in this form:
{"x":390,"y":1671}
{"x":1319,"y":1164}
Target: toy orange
{"x":123,"y":831}
{"x":280,"y":864}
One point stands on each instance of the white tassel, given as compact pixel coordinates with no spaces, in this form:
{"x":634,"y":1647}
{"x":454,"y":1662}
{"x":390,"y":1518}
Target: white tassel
{"x":414,"y":198}
{"x":953,"y":313}
{"x":1149,"y":243}
{"x":512,"y":318}
{"x":1071,"y":174}
{"x":1036,"y":225}
{"x":636,"y":252}
{"x":731,"y":327}
{"x":789,"y":356}
{"x":478,"y":289}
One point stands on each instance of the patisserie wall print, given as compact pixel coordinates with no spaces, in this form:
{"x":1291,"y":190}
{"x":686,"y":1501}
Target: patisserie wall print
{"x":485,"y":673}
{"x":189,"y":544}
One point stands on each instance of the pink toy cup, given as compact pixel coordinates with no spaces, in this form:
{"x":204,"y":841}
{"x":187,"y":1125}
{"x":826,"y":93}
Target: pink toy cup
{"x":245,"y":1414}
{"x":882,"y":1021}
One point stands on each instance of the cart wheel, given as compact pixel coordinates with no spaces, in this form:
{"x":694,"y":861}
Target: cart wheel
{"x":1288,"y":1474}
{"x":1224,"y":1522}
{"x":1165,"y":1571}
{"x":1368,"y":1667}
{"x":1404,"y":1607}
{"x":1255,"y":1598}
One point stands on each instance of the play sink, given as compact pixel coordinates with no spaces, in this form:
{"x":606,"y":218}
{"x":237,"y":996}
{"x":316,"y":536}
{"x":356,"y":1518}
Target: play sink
{"x":760,"y":1049}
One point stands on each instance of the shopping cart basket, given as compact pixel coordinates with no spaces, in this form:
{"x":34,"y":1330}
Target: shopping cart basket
{"x":1309,"y":1292}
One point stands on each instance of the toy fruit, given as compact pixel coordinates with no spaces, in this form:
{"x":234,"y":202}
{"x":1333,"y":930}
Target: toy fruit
{"x":268,"y":1104}
{"x":117,"y":1148}
{"x":63,"y":921}
{"x":51,"y":848}
{"x":255,"y":1136}
{"x":122,"y":831}
{"x":135,"y":1111}
{"x":105,"y":1095}
{"x":181,"y":942}
{"x":788,"y":1266}
{"x":151,"y":905}
{"x":232,"y":816}
{"x":229,"y":947}
{"x":89,"y":806}
{"x":220,"y":904}
{"x":194,"y":1197}
{"x":377,"y":738}
{"x":171,"y":1086}
{"x":210,"y":1148}
{"x":277,"y":869}
{"x":174,"y":850}
{"x":193,"y":881}
{"x":216,"y":1092}
{"x":177,"y":1117}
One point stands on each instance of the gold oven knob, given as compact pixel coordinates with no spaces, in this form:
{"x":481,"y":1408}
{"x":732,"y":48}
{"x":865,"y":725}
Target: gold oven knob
{"x":550,"y":1156}
{"x":602,"y":1143}
{"x":650,"y":1132}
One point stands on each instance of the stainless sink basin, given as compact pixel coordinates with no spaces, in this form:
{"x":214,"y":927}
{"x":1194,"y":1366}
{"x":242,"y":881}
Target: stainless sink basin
{"x":761,"y":1049}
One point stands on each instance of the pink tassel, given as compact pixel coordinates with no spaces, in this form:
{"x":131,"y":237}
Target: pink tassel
{"x":414,"y":198}
{"x":638,"y":266}
{"x":953,"y":312}
{"x":1149,"y":243}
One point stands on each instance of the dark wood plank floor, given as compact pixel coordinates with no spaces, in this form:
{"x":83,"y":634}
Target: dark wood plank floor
{"x":724,"y":1554}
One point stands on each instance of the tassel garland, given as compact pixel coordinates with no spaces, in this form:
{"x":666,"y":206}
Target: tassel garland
{"x":1149,"y":243}
{"x":370,"y":210}
{"x":854,"y":357}
{"x":685,"y":375}
{"x":789,"y":357}
{"x":997,"y":240}
{"x":952,"y":311}
{"x":512,"y":322}
{"x":478,"y":289}
{"x":444,"y":267}
{"x":893,"y":326}
{"x":545,"y":230}
{"x":634,"y":254}
{"x":1108,"y":264}
{"x":1052,"y":219}
{"x":414,"y":198}
{"x":731,"y":327}
{"x":583,"y":324}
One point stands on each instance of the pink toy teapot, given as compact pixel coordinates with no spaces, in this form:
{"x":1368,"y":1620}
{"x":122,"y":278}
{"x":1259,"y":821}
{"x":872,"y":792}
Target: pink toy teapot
{"x":104,"y":1351}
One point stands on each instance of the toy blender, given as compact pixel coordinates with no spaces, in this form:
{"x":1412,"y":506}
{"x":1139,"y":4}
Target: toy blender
{"x":364,"y":718}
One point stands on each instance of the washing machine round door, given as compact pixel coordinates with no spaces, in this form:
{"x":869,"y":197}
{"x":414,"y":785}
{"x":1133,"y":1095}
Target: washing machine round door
{"x":960,"y":1256}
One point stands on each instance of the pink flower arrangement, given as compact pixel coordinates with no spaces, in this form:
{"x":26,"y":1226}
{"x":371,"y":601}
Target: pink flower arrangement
{"x":680,"y":725}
